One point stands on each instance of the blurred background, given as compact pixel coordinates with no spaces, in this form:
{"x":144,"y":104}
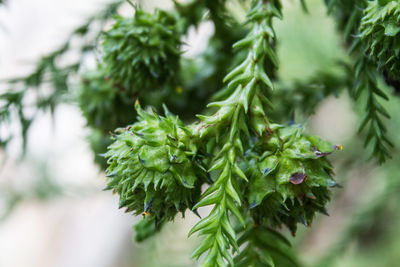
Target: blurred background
{"x":53,"y":211}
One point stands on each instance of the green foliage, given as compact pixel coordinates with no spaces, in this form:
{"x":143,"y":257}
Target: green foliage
{"x":146,"y":228}
{"x":348,"y":14}
{"x":289,"y":192}
{"x":104,"y":104}
{"x":154,"y":38}
{"x":151,"y":166}
{"x":289,"y":177}
{"x":49,"y":72}
{"x":379,"y":30}
{"x":142,"y":53}
{"x":263,"y":247}
{"x":245,"y":80}
{"x":367,"y":82}
{"x":351,"y":20}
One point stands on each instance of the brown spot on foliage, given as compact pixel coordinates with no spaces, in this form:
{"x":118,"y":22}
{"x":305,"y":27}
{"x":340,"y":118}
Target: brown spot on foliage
{"x":298,"y":178}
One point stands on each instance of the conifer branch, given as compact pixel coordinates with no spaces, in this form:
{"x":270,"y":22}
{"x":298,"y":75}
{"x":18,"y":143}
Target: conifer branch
{"x":245,"y":81}
{"x":367,"y":84}
{"x":263,"y":246}
{"x":371,"y":46}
